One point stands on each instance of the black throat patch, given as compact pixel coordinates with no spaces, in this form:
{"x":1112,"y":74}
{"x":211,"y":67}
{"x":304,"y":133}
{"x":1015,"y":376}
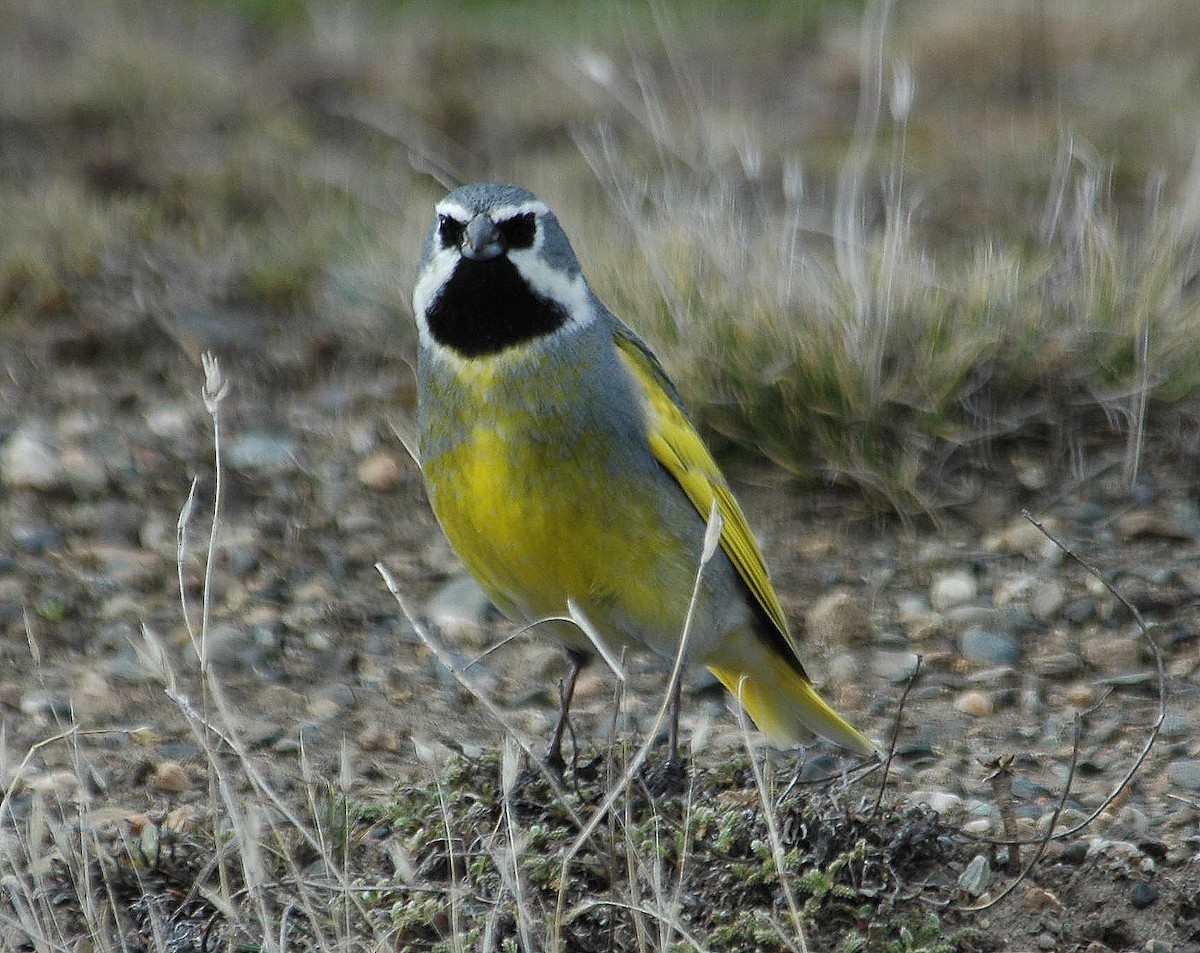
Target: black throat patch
{"x":487,"y":306}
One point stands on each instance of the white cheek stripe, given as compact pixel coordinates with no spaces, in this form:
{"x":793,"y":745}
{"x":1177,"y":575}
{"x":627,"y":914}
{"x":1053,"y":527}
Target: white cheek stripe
{"x":570,"y":292}
{"x":435,"y":274}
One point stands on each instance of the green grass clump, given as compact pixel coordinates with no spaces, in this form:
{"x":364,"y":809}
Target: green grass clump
{"x":866,"y":359}
{"x":53,"y":245}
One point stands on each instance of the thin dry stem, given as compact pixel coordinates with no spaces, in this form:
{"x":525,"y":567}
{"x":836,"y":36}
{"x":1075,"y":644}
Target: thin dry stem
{"x":896,"y":724}
{"x":777,"y":851}
{"x":1043,"y":842}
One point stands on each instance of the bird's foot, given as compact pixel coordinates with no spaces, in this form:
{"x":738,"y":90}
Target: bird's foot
{"x":666,"y":777}
{"x":554,"y":760}
{"x":535,"y":775}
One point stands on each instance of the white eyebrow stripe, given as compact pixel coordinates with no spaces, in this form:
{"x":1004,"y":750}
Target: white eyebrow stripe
{"x":454,"y":210}
{"x":503,"y":212}
{"x":498,"y":213}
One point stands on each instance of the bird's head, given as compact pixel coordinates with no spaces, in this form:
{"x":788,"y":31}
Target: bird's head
{"x":496,"y":272}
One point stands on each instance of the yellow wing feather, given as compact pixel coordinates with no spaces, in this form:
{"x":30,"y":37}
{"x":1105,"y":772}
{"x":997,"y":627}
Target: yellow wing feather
{"x":767,"y":677}
{"x":678,"y":447}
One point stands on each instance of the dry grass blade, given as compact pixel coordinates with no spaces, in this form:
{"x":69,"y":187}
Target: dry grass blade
{"x":777,"y":852}
{"x":640,"y":910}
{"x":896,"y":725}
{"x":508,"y":783}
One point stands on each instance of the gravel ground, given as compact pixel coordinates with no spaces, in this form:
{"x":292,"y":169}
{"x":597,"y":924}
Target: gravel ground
{"x":102,"y":429}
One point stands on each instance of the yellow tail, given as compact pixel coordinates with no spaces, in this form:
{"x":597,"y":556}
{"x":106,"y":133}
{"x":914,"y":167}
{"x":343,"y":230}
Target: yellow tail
{"x":782,"y":702}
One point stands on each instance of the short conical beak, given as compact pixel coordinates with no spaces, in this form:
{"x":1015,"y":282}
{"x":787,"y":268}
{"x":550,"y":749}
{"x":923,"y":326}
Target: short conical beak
{"x":481,"y":239}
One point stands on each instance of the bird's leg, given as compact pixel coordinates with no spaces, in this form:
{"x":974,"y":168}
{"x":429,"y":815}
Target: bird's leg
{"x":670,"y":775}
{"x":673,"y":766}
{"x":673,"y":725}
{"x":566,"y":690}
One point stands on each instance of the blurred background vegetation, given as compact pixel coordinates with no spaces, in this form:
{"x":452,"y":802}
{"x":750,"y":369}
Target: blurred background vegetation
{"x":892,"y":247}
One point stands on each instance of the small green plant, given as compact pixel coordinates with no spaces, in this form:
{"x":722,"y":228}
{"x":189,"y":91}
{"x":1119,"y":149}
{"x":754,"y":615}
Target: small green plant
{"x":909,"y":932}
{"x":827,"y":893}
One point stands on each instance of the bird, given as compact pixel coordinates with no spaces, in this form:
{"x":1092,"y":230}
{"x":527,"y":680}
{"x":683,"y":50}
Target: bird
{"x":569,"y":478}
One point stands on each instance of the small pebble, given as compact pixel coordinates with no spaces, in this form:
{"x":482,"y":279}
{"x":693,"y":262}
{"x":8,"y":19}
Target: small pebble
{"x":1080,"y":694}
{"x":380,"y":471}
{"x":943,"y":802}
{"x":895,"y":667}
{"x":1079,"y":610}
{"x":1032,"y":474}
{"x":1113,"y":653}
{"x":374,"y":738}
{"x":477,"y":674}
{"x":992,"y":648}
{"x":975,"y":879}
{"x":1059,"y":665}
{"x":228,"y":645}
{"x":36,"y":538}
{"x":28,"y":460}
{"x":912,"y":607}
{"x":844,"y":669}
{"x":838,"y":618}
{"x":324,"y":708}
{"x":1097,"y":587}
{"x":1122,"y":851}
{"x":1175,"y":726}
{"x":1142,"y":894}
{"x":459,"y":609}
{"x":262,"y":452}
{"x":1146,"y":523}
{"x":952,"y":589}
{"x":1047,"y":599}
{"x":1022,"y":538}
{"x":83,"y":471}
{"x":1024,"y":788}
{"x":170,"y":778}
{"x":1185,"y":773}
{"x":170,"y":421}
{"x":994,"y":677}
{"x":975,"y":704}
{"x":343,"y":695}
{"x":1134,"y":818}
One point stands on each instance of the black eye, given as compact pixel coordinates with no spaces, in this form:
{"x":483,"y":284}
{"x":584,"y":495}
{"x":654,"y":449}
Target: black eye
{"x":450,"y":230}
{"x":518,"y":231}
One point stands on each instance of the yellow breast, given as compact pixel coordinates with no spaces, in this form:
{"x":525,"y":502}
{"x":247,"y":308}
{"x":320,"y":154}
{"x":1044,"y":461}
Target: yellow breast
{"x":541,"y":511}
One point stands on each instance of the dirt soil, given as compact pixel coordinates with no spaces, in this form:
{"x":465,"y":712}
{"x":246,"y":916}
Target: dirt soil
{"x":311,"y":647}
